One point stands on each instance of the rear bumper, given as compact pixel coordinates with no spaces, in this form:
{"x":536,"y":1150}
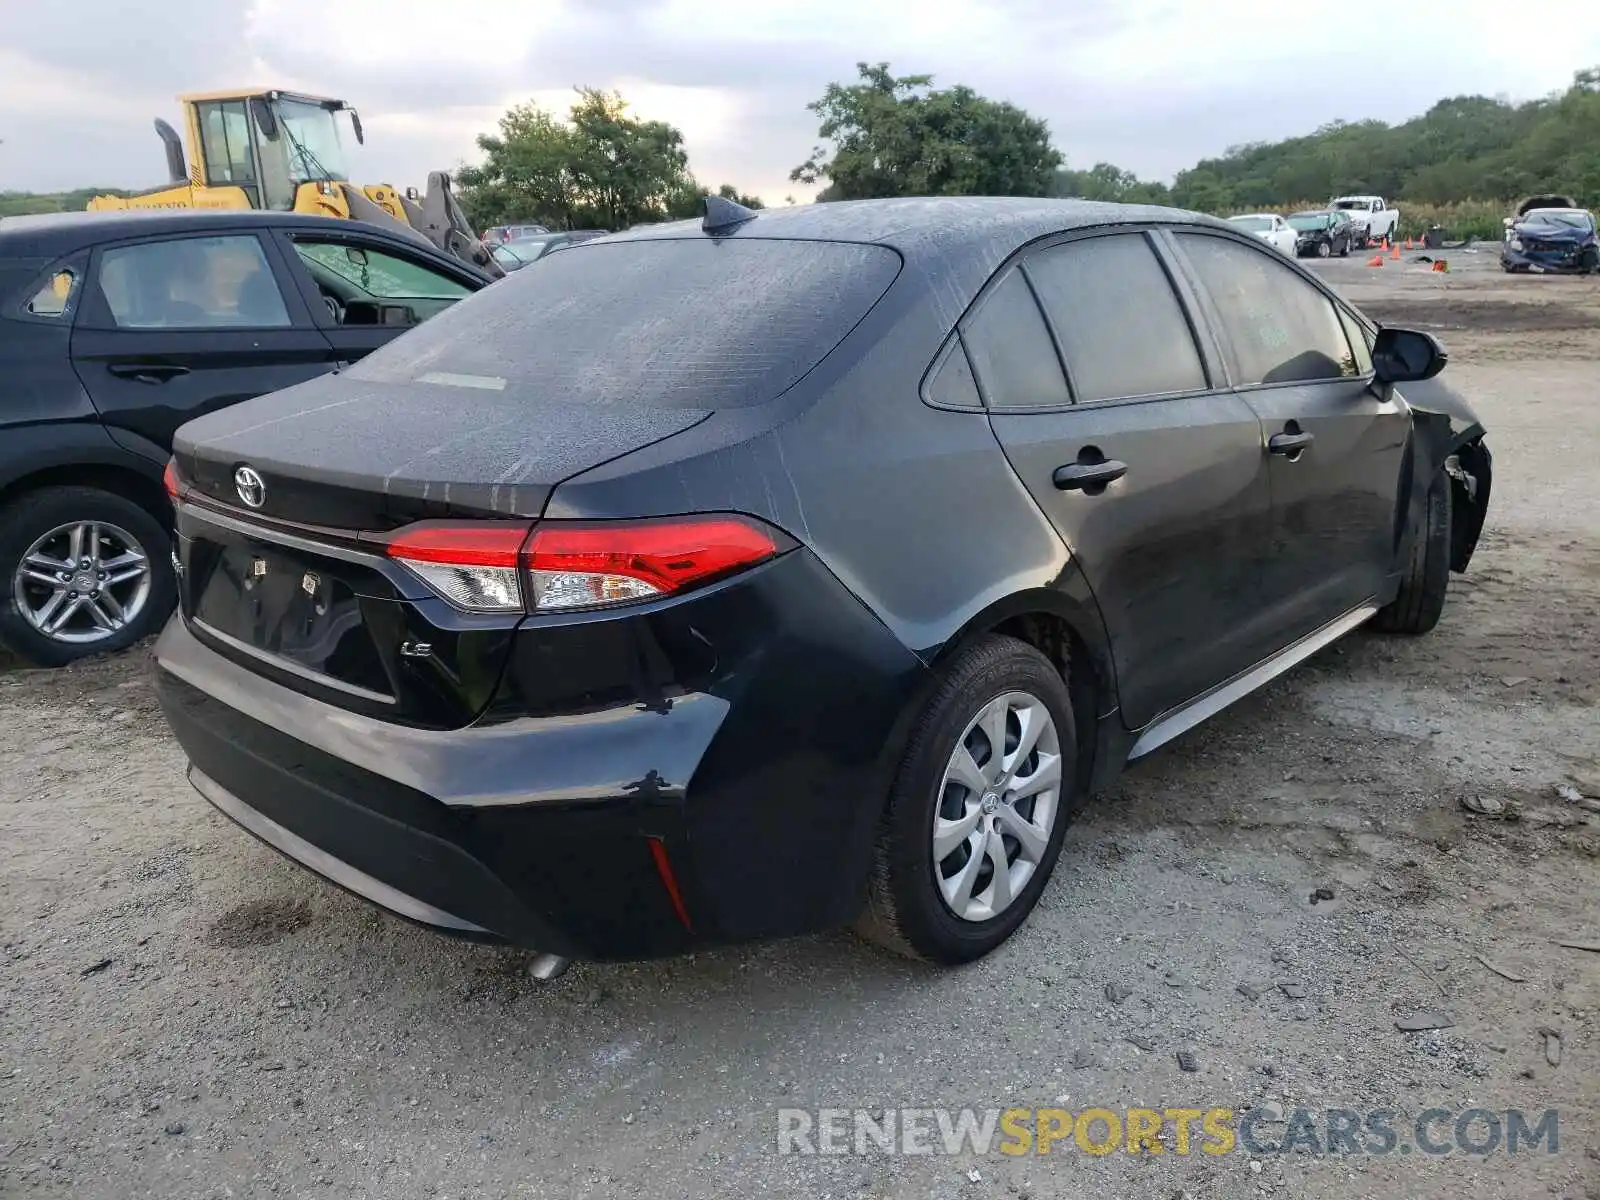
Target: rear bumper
{"x":758,"y":783}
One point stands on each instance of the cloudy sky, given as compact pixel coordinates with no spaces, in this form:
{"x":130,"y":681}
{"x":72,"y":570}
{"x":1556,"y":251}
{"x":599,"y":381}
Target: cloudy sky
{"x":1151,"y":85}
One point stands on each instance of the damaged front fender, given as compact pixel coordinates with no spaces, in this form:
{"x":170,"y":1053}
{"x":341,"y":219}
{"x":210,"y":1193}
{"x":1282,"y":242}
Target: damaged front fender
{"x":1448,"y":437}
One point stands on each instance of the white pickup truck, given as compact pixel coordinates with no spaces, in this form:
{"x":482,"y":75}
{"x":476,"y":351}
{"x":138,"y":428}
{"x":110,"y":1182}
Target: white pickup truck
{"x":1371,"y":213}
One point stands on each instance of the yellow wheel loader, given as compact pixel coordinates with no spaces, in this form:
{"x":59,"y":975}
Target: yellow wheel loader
{"x":281,"y":150}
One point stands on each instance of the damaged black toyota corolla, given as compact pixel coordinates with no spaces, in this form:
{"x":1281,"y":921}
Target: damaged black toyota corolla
{"x":736,"y":579}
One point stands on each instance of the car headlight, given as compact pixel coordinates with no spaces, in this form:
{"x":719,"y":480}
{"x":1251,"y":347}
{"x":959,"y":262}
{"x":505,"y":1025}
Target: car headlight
{"x":1516,"y":242}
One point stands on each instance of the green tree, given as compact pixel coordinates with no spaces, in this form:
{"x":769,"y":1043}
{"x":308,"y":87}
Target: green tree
{"x":1106,"y":181}
{"x":599,"y":168}
{"x":902,"y":137}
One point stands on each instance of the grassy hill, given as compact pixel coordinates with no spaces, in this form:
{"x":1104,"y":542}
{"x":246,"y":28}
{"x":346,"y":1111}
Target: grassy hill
{"x":1458,"y":165}
{"x":19,"y":204}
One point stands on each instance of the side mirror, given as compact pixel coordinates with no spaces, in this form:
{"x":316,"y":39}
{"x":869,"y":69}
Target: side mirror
{"x":397,"y":314}
{"x":356,"y":255}
{"x":1406,"y":355}
{"x":355,"y":127}
{"x":266,"y":119}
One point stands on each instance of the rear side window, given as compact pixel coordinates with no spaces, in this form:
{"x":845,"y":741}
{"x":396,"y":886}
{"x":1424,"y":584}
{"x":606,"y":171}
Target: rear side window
{"x":192,"y":283}
{"x":1121,"y":327}
{"x":56,"y":293}
{"x":952,"y":385}
{"x":675,"y":323}
{"x":1278,"y":327}
{"x":1012,"y":354}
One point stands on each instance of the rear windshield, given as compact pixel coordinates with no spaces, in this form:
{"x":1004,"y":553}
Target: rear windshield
{"x":690,"y":323}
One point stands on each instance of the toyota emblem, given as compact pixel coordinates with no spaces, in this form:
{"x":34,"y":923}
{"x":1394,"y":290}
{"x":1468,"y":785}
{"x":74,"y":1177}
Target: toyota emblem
{"x":250,"y":486}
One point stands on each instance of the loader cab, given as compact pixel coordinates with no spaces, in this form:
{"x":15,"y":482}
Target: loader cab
{"x":267,"y":143}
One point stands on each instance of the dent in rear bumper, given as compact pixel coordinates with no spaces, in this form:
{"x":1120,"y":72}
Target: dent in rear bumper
{"x":526,"y":761}
{"x":762,"y":770}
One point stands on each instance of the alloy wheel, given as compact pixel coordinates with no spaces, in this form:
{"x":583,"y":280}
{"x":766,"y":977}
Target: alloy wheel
{"x":997,"y":806}
{"x":82,"y":582}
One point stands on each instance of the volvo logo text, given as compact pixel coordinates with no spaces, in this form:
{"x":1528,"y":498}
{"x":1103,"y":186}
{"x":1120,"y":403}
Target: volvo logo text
{"x":252,"y":490}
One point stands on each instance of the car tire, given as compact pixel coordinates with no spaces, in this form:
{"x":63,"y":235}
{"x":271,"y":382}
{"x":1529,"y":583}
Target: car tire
{"x":136,"y":597}
{"x":1324,"y":249}
{"x":908,"y":907}
{"x":1420,"y":601}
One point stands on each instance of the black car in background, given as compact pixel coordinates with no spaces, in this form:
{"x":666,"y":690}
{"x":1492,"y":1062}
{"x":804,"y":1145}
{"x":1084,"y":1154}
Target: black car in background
{"x":777,"y":571}
{"x":115,"y":329}
{"x":1321,"y":234}
{"x":519,"y":252}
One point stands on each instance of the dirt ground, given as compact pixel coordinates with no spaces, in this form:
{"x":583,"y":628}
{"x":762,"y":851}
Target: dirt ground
{"x":184,"y":1014}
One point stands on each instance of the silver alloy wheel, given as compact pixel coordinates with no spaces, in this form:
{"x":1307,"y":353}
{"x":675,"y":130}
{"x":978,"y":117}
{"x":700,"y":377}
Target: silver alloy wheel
{"x":997,"y":806}
{"x":82,"y":582}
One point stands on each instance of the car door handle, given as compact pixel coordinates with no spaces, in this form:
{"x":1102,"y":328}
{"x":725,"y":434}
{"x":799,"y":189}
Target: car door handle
{"x":147,"y":372}
{"x":1075,"y":477}
{"x":1289,"y":443}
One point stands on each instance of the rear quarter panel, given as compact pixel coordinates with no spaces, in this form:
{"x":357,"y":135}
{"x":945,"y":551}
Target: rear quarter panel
{"x":915,"y":510}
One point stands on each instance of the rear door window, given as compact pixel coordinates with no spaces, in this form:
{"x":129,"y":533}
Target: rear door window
{"x":1120,"y":324}
{"x":192,"y":283}
{"x":654,"y":323}
{"x":1278,"y":327}
{"x":1011,"y":350}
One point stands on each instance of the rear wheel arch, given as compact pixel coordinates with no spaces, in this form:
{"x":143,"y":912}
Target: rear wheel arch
{"x":1070,"y":634}
{"x":129,"y":482}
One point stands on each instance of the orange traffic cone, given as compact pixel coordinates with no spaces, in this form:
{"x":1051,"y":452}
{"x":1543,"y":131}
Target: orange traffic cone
{"x":1375,"y":261}
{"x":1394,"y":253}
{"x":1409,"y":246}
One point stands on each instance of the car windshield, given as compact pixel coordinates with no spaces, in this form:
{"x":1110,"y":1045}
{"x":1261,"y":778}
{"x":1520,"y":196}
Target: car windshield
{"x":1348,"y":205}
{"x":1309,"y":220}
{"x":1567,"y":218}
{"x":1254,"y":224}
{"x":648,"y":324}
{"x":312,"y":139}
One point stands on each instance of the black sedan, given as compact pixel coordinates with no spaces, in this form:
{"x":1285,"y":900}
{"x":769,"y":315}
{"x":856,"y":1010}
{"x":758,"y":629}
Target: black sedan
{"x":1322,"y":234}
{"x":735,"y":579}
{"x":115,"y":328}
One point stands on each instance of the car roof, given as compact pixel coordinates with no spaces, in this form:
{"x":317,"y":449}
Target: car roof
{"x":947,"y":240}
{"x":1250,"y":216}
{"x":53,"y":234}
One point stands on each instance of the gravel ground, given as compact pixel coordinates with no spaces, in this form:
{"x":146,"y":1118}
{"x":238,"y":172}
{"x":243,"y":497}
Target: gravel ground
{"x":184,"y":1014}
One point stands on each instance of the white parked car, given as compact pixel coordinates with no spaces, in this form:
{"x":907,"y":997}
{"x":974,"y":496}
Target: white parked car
{"x":1270,"y":228}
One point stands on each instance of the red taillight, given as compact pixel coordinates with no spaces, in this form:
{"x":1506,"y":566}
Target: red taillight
{"x":460,"y":543}
{"x":487,"y":567}
{"x":169,"y":480}
{"x":580,"y":566}
{"x":474,"y":565}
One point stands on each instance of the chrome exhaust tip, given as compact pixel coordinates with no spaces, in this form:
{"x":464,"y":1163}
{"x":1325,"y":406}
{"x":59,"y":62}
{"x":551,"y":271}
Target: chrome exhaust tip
{"x":545,"y":967}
